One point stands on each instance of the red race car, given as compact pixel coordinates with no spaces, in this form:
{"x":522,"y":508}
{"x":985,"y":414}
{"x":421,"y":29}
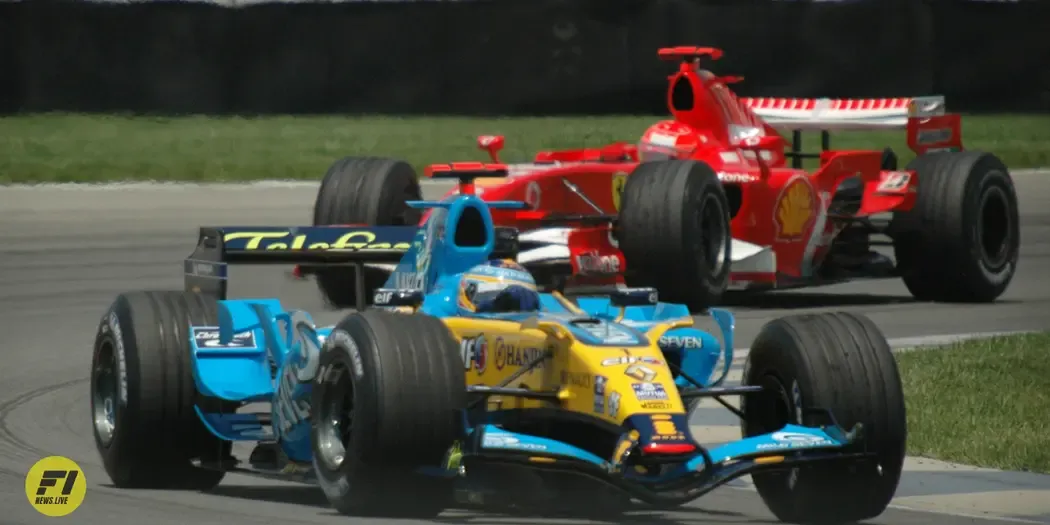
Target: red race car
{"x":715,"y":198}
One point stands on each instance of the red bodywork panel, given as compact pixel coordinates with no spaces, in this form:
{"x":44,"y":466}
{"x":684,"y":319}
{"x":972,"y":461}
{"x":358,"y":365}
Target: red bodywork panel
{"x":779,"y":206}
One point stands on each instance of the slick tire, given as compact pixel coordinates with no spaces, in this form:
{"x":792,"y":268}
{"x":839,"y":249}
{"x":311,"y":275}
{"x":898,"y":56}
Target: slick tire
{"x":363,"y":191}
{"x":143,"y":393}
{"x":388,"y":399}
{"x":961,"y":241}
{"x":840,"y":362}
{"x":674,"y":231}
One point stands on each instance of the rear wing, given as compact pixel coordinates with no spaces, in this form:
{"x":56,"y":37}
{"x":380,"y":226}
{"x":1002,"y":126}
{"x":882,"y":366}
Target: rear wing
{"x":811,"y":114}
{"x":929,"y":127}
{"x":206,"y":269}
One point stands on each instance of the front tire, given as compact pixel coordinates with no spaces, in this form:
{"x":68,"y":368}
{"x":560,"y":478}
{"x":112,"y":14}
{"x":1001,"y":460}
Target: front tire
{"x":961,"y":241}
{"x":840,"y":362}
{"x":388,"y":400}
{"x":674,"y":232}
{"x":143,"y":393}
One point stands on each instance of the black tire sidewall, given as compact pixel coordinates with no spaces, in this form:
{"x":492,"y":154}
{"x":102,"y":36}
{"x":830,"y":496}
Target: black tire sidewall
{"x":124,"y":449}
{"x":660,"y":231}
{"x":937,"y":243}
{"x":842,"y":363}
{"x":154,"y":449}
{"x":709,"y":193}
{"x":376,"y":473}
{"x":339,"y":483}
{"x":991,"y":180}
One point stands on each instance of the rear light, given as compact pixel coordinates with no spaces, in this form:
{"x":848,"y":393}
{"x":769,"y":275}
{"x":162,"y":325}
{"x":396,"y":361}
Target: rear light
{"x":668,"y":448}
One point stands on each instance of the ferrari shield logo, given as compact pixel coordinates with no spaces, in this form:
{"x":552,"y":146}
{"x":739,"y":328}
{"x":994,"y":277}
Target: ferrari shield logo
{"x":619,"y":180}
{"x":795,"y":210}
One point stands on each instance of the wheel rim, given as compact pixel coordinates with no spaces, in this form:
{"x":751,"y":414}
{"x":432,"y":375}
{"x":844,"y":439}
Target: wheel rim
{"x":335,"y":417}
{"x":994,"y":228}
{"x":104,"y":394}
{"x":713,"y":228}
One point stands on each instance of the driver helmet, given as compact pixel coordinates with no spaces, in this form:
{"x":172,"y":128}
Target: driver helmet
{"x":667,"y":140}
{"x":499,"y":285}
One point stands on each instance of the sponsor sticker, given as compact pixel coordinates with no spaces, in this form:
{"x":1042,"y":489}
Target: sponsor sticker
{"x":533,"y":195}
{"x":208,"y":337}
{"x":580,"y":379}
{"x":664,"y":429}
{"x":614,"y":405}
{"x":789,"y":440}
{"x":795,"y":210}
{"x":656,"y":405}
{"x":733,"y":177}
{"x":593,"y":263}
{"x":475,"y":352}
{"x":688,"y":342}
{"x":499,"y":440}
{"x":630,"y":360}
{"x":649,"y":391}
{"x":640,"y":372}
{"x":508,"y":354}
{"x":599,"y":395}
{"x":893,"y":182}
{"x":933,"y":136}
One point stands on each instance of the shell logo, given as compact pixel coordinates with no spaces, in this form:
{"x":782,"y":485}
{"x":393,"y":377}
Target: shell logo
{"x":795,"y":210}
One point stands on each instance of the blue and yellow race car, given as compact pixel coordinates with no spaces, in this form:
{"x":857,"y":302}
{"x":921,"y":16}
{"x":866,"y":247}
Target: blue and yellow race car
{"x":464,"y":380}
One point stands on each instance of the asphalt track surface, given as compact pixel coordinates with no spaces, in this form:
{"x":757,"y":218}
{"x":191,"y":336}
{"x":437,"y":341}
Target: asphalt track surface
{"x":65,"y":254}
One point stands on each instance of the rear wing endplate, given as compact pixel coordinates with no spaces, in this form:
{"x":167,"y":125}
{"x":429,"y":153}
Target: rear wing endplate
{"x":206,"y":269}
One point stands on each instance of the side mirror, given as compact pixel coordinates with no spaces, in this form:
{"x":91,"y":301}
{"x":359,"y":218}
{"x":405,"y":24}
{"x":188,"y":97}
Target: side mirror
{"x":398,"y":297}
{"x":760,"y":143}
{"x":624,"y":297}
{"x":492,"y":144}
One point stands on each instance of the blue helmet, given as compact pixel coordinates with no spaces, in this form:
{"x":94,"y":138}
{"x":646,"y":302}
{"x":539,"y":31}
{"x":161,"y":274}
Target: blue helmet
{"x":500,"y":285}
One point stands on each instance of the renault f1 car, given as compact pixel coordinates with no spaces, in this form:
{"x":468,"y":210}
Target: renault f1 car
{"x":399,"y":408}
{"x":950,"y":216}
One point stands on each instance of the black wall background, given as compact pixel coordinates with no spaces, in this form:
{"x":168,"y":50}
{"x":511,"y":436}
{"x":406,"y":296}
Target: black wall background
{"x":509,"y":56}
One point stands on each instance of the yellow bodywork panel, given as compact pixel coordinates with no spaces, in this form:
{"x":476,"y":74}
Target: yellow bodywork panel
{"x":603,"y":381}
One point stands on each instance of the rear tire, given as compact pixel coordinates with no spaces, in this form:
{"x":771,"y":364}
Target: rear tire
{"x":388,"y":400}
{"x":961,"y":241}
{"x":840,"y":362}
{"x":148,"y":434}
{"x":674,"y":232}
{"x":363,"y":191}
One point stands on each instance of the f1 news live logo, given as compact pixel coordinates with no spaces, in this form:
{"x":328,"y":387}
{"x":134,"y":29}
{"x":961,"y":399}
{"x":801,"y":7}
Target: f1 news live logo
{"x":55,"y":486}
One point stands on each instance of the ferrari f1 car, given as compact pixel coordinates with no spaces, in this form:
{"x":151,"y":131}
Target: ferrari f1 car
{"x":402,"y":407}
{"x":950,"y":216}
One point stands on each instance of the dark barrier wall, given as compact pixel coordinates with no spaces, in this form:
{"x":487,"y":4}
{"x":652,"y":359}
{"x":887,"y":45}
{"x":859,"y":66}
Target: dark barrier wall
{"x":508,"y":56}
